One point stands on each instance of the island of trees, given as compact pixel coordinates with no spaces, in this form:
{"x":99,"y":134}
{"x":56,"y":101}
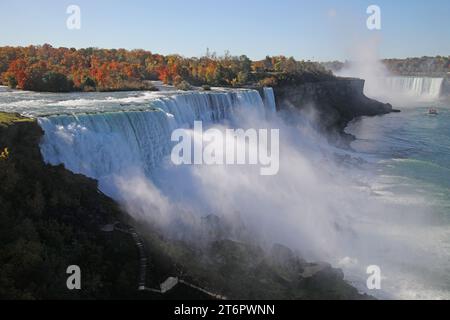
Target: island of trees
{"x":44,"y":68}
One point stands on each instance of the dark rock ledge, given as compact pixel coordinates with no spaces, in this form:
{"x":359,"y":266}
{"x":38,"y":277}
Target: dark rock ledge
{"x":332,"y":103}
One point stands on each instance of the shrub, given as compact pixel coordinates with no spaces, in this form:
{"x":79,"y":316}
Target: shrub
{"x":184,"y":86}
{"x":268,"y":82}
{"x":89,"y":83}
{"x":56,"y":82}
{"x":5,"y":154}
{"x":10,"y":81}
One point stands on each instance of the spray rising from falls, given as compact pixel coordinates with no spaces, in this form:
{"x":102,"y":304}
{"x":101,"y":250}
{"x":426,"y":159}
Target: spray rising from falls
{"x":324,"y":210}
{"x":382,"y":84}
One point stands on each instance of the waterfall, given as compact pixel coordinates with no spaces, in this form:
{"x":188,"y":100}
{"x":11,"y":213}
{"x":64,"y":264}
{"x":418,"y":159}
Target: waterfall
{"x":420,"y":87}
{"x":101,"y":144}
{"x":269,"y":101}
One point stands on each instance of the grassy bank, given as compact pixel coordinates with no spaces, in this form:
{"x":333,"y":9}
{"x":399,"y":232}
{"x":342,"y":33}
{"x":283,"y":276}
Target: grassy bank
{"x":7,"y":119}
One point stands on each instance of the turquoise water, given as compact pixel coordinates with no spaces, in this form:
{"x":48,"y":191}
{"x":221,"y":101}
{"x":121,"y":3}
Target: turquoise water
{"x":409,"y":154}
{"x":411,"y":145}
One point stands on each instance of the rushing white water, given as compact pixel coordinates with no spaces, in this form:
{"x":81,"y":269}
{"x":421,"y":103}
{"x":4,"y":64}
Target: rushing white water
{"x":418,"y":87}
{"x":101,"y":144}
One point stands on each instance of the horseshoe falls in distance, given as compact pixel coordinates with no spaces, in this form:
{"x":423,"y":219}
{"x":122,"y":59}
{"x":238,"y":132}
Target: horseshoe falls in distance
{"x":418,"y":87}
{"x":105,"y":143}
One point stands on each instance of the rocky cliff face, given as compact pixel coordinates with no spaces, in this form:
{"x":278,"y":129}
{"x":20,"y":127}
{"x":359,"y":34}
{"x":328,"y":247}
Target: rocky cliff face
{"x":334,"y":103}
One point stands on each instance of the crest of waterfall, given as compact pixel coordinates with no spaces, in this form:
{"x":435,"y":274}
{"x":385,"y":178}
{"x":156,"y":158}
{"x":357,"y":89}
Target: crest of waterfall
{"x":101,"y":144}
{"x":420,"y":87}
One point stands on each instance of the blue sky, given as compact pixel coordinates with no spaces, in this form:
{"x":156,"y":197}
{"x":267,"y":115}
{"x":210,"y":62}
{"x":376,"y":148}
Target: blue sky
{"x":305,"y":29}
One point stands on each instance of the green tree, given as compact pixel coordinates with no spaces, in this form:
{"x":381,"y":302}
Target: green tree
{"x":56,"y":82}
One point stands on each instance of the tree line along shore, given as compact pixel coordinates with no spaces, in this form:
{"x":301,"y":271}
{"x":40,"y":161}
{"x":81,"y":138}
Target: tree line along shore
{"x":45,"y":68}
